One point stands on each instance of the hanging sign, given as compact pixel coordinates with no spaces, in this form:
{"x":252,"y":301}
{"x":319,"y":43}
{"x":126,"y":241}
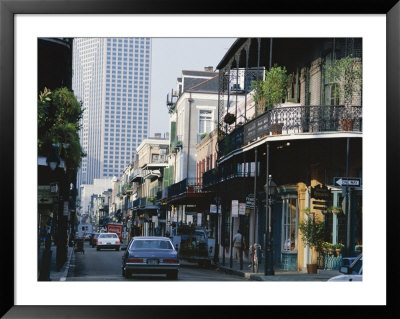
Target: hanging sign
{"x":199,"y":219}
{"x":213,"y":209}
{"x":242,"y":208}
{"x":235,"y":208}
{"x":320,"y":192}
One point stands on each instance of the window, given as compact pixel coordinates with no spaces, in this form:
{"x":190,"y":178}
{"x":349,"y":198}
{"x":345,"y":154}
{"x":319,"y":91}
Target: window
{"x":205,"y":121}
{"x":289,"y":224}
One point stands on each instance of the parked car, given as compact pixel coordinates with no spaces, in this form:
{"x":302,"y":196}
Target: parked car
{"x":152,"y":255}
{"x":93,"y":239}
{"x":108,"y":240}
{"x":352,"y":272}
{"x":86,"y":236}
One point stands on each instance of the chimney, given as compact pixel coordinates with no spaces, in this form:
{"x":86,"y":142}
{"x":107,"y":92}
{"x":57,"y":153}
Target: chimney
{"x":157,"y":135}
{"x":208,"y":69}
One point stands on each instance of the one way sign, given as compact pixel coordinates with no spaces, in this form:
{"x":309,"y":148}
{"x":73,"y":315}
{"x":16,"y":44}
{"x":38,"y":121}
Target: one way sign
{"x":345,"y":181}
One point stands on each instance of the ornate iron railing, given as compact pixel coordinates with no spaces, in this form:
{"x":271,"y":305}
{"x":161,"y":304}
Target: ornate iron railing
{"x":294,"y":120}
{"x":188,"y":185}
{"x":227,"y":172}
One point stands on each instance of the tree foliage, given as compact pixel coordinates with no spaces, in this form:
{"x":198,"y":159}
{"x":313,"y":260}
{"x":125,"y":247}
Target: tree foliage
{"x":270,"y":92}
{"x":312,"y":232}
{"x":59,"y":113}
{"x":347,"y":73}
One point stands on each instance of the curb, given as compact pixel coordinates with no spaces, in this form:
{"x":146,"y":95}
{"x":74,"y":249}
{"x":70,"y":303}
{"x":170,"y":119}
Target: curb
{"x":66,"y":266}
{"x":228,"y":270}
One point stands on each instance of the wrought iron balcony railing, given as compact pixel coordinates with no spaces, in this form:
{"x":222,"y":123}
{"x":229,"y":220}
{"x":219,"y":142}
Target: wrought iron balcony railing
{"x":294,"y":120}
{"x":212,"y":177}
{"x":188,"y":185}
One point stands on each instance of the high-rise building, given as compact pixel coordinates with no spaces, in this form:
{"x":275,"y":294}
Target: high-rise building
{"x":111,"y":76}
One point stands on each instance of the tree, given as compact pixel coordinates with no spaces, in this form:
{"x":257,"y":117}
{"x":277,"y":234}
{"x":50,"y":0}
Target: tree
{"x":312,"y":232}
{"x":347,"y":73}
{"x":59,"y":113}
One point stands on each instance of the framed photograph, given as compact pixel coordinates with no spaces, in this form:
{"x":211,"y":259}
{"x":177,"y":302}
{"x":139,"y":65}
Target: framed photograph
{"x":28,"y":293}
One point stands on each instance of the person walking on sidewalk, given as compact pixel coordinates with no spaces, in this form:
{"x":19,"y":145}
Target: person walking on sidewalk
{"x":237,"y":243}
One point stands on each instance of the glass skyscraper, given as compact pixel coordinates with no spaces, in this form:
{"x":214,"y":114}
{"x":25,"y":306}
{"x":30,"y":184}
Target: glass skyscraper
{"x":111,"y":76}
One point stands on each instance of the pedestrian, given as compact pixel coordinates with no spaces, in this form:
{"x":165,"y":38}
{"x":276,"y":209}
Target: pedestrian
{"x":237,"y":243}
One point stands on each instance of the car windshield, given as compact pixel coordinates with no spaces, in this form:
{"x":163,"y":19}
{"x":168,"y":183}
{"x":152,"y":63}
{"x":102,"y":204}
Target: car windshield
{"x":108,"y":236}
{"x":151,"y":243}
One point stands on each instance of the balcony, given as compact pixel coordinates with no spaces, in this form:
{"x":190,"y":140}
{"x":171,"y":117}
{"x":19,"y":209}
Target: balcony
{"x":227,"y":173}
{"x":294,"y":120}
{"x":185,"y":191}
{"x":136,"y":176}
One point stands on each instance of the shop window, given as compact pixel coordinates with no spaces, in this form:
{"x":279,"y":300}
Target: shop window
{"x":289,"y":223}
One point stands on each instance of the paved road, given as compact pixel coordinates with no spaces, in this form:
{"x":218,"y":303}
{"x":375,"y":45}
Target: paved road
{"x":105,"y":265}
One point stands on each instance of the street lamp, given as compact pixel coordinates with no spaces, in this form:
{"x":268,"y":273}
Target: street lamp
{"x":270,"y":188}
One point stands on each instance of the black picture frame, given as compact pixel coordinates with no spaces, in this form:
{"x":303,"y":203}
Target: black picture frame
{"x":8,"y":10}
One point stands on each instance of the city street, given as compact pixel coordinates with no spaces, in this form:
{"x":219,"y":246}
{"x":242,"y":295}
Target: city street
{"x":105,"y":265}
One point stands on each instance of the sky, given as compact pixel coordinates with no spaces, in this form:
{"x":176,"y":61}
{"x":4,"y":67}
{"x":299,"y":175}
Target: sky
{"x":169,"y":57}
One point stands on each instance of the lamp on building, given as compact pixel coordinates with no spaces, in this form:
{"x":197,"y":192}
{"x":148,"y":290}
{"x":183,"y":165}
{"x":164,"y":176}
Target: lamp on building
{"x":53,"y":160}
{"x":270,"y":188}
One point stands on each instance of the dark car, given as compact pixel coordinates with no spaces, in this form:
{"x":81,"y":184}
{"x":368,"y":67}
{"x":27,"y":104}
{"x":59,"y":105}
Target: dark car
{"x":150,"y":255}
{"x":93,"y":239}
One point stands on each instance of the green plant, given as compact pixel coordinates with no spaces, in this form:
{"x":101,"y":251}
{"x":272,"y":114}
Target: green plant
{"x":270,"y":92}
{"x":347,"y":74}
{"x":312,"y":232}
{"x":203,"y":135}
{"x":334,"y":209}
{"x":338,"y":246}
{"x":326,"y":245}
{"x":59,"y":113}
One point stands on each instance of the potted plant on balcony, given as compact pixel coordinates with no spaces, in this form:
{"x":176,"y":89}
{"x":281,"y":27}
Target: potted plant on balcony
{"x":313,"y":233}
{"x":229,"y":118}
{"x":272,"y":91}
{"x":190,"y":188}
{"x":346,"y":73}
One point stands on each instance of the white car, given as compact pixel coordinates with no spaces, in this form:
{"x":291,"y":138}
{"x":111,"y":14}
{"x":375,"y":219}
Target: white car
{"x":108,"y":240}
{"x":350,"y":273}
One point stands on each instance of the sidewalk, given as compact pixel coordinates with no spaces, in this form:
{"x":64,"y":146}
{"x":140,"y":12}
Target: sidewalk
{"x":280,"y":275}
{"x":54,"y":274}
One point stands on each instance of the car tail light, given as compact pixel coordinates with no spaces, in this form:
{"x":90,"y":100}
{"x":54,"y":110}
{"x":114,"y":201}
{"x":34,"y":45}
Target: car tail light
{"x":171,"y":261}
{"x":99,"y":243}
{"x":134,"y":260}
{"x":117,"y":242}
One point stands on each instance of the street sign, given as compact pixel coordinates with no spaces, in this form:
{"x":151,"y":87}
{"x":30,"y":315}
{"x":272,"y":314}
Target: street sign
{"x":242,"y":208}
{"x":250,"y":201}
{"x":346,"y":181}
{"x":235,"y":208}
